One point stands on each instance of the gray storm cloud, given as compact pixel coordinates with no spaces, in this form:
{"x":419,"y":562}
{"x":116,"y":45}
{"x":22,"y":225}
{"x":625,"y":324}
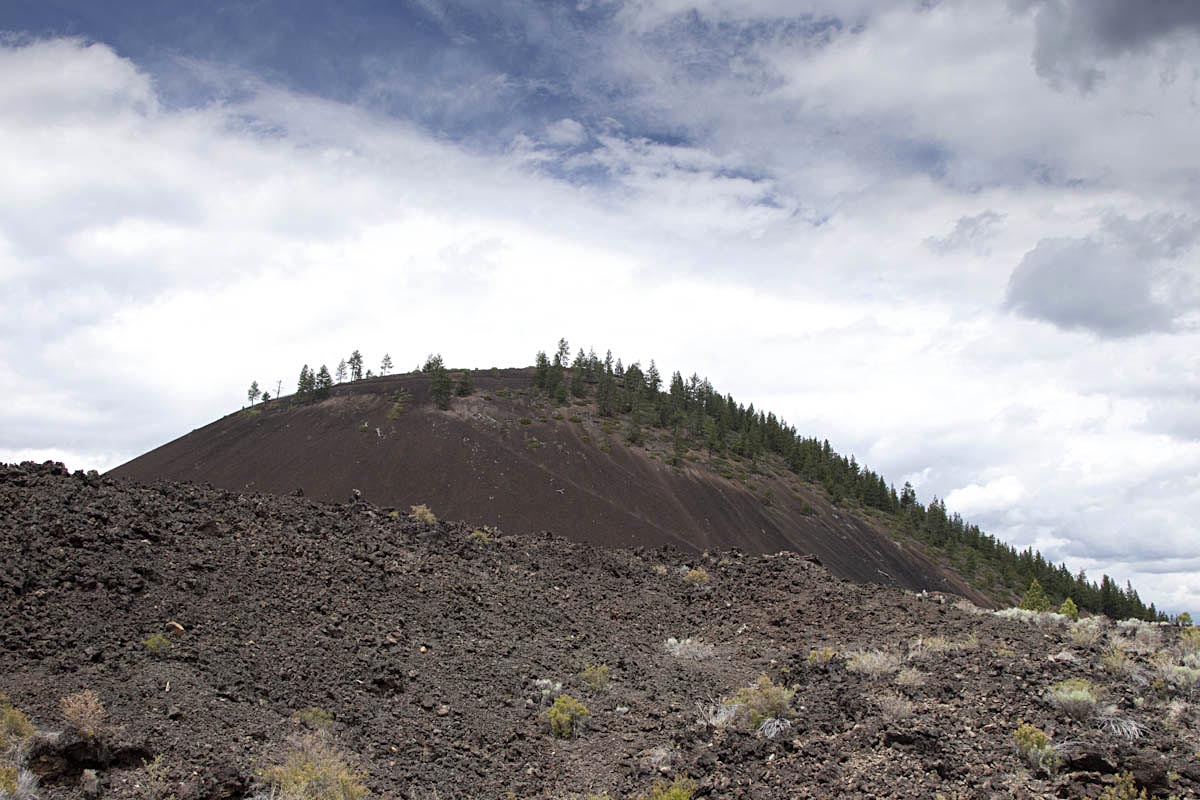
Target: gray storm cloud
{"x":1075,"y":36}
{"x":1130,"y":277}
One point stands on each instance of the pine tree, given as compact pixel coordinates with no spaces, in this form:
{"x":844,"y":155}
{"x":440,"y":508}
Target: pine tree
{"x":341,"y":371}
{"x":305,"y":385}
{"x":385,"y":368}
{"x":356,"y":366}
{"x":465,"y":387}
{"x":322,"y":383}
{"x":678,"y":392}
{"x":606,"y":395}
{"x":653,"y":380}
{"x":1069,"y":609}
{"x":440,"y":385}
{"x":577,"y":374}
{"x":433,"y":363}
{"x":541,"y":371}
{"x":253,"y":394}
{"x":266,"y":396}
{"x":1035,"y":598}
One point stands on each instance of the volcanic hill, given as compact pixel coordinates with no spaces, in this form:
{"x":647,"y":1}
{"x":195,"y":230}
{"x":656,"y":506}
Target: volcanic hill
{"x":507,"y":456}
{"x":183,"y":641}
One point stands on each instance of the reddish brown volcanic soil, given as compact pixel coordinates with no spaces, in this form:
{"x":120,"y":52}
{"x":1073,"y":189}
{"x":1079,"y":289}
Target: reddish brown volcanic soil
{"x":424,"y":644}
{"x":500,"y":457}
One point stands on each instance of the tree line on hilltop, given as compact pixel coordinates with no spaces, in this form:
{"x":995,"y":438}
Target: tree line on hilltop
{"x":316,"y":385}
{"x":698,"y":416}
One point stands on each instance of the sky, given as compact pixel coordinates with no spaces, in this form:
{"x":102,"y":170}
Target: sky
{"x":958,"y":239}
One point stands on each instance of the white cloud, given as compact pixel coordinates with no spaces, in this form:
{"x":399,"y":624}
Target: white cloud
{"x":153,"y":261}
{"x":566,"y":132}
{"x":996,"y":494}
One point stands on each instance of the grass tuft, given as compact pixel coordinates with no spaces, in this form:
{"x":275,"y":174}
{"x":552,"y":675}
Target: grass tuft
{"x":873,"y":662}
{"x":689,"y":648}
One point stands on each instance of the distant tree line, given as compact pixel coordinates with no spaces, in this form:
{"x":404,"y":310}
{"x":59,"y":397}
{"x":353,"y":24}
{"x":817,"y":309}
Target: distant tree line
{"x":316,"y":385}
{"x":697,"y":415}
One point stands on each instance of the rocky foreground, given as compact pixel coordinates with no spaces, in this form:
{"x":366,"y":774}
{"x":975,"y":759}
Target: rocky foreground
{"x":200,"y":637}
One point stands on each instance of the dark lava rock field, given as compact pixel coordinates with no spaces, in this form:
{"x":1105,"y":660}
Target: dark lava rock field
{"x":214,"y":627}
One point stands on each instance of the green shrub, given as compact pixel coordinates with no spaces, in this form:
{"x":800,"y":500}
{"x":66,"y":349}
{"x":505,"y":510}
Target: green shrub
{"x":822,"y":655}
{"x":158,"y":780}
{"x":1117,"y":661}
{"x":596,"y":676}
{"x":481,"y":537}
{"x":1075,"y":697}
{"x":15,"y":728}
{"x":566,"y":716}
{"x":697,"y":576}
{"x":1124,"y":789}
{"x":157,"y":644}
{"x":421,"y":513}
{"x":313,"y":717}
{"x":1035,"y":598}
{"x":764,"y":700}
{"x":314,"y":768}
{"x":679,"y":789}
{"x":1034,"y":746}
{"x":1069,"y":609}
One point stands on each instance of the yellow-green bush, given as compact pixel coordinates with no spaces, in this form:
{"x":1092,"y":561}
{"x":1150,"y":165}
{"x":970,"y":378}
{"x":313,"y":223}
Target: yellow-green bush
{"x":1069,"y":609}
{"x":1034,"y":745}
{"x":1076,"y":697}
{"x":764,"y":700}
{"x":822,"y":655}
{"x":314,"y":768}
{"x":566,"y":716}
{"x":8,"y":781}
{"x":596,"y":676}
{"x":421,"y":513}
{"x":1189,"y":640}
{"x":1124,"y":789}
{"x":697,"y":576}
{"x":157,"y":644}
{"x":313,"y":717}
{"x":15,"y":728}
{"x":678,"y":789}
